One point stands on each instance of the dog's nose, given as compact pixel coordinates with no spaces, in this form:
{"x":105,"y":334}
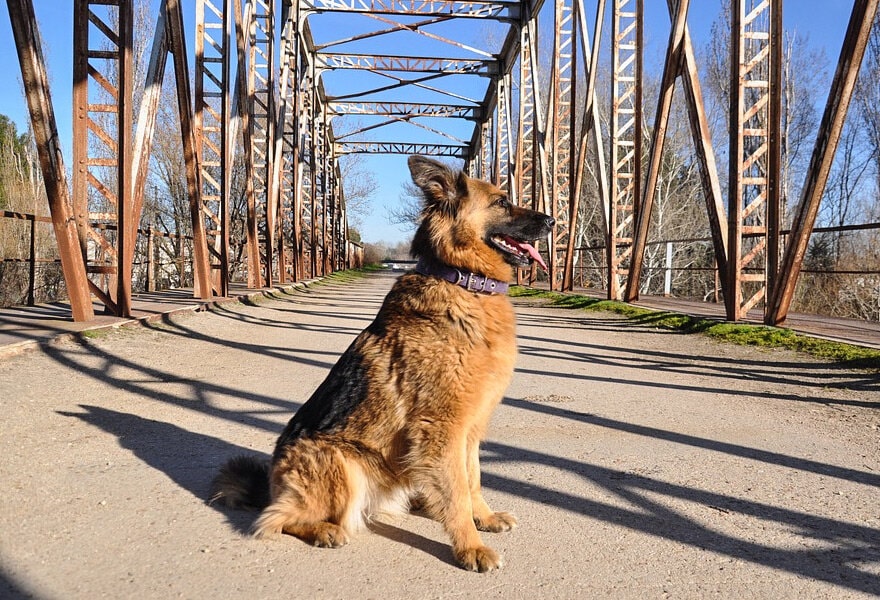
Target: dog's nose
{"x":549,"y":221}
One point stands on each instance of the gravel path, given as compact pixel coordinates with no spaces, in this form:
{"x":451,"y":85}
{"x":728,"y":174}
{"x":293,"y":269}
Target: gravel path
{"x":640,"y":463}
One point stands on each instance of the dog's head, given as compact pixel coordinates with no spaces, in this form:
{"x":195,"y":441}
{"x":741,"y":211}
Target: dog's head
{"x":471,"y":224}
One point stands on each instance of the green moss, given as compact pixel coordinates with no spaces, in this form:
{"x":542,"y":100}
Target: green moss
{"x":253,"y":299}
{"x":760,"y":336}
{"x":96,"y":334}
{"x":372,"y":268}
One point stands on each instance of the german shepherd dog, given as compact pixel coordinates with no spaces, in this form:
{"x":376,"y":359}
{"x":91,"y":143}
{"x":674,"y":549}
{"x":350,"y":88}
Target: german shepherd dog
{"x":401,"y":415}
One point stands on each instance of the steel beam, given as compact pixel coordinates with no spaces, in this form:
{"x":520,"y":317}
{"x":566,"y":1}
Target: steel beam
{"x":420,"y":64}
{"x":146,"y":122}
{"x":42,"y":115}
{"x":307,"y":170}
{"x":861,"y":20}
{"x":102,"y":148}
{"x":503,"y":151}
{"x":478,"y":9}
{"x":702,"y":137}
{"x":210,"y":123}
{"x":405,"y":109}
{"x":300,"y":132}
{"x":590,"y":123}
{"x":241,"y":121}
{"x":562,"y":151}
{"x":363,"y":147}
{"x":525,"y":171}
{"x":286,"y":149}
{"x":261,"y":104}
{"x":626,"y":141}
{"x":752,"y":126}
{"x":671,"y":69}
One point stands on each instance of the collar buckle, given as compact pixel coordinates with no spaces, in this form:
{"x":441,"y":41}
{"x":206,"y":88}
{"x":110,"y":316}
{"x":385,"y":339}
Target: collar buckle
{"x":475,"y":284}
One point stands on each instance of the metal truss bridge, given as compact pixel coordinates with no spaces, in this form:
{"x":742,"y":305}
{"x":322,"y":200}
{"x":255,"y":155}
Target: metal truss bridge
{"x":290,"y":89}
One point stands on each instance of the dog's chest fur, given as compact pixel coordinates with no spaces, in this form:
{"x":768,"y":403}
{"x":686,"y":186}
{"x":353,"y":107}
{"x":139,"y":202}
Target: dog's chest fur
{"x":435,"y":353}
{"x":453,"y":350}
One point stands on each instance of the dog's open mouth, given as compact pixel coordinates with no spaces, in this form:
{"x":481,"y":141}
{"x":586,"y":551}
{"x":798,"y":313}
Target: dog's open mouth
{"x":522,"y":252}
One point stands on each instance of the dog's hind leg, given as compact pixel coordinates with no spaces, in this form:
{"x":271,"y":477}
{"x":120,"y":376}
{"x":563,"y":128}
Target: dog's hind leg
{"x":288,"y":515}
{"x":312,"y":496}
{"x":484,"y":517}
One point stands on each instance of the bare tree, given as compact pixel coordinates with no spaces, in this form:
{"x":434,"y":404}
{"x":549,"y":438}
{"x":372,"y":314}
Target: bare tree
{"x":408,"y":211}
{"x":867,"y":98}
{"x":359,"y":186}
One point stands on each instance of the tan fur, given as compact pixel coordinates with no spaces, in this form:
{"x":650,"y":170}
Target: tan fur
{"x":432,"y":367}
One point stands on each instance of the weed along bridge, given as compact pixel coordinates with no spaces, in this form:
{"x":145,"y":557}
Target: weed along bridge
{"x":183,"y":260}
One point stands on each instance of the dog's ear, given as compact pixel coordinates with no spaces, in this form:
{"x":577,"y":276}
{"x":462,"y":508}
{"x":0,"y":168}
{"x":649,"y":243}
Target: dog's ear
{"x":441,"y":185}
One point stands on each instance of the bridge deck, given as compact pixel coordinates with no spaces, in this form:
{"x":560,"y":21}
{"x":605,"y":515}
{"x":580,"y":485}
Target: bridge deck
{"x":641,"y":463}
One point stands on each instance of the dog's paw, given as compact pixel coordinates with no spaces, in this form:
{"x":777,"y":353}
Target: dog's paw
{"x":329,"y":535}
{"x":495,"y":522}
{"x":481,"y":558}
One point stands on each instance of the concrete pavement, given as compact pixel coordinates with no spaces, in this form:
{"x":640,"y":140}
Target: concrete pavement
{"x":641,"y":463}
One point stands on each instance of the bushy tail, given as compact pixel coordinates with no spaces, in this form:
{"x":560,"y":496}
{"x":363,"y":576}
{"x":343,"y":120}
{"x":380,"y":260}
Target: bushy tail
{"x":242,"y":483}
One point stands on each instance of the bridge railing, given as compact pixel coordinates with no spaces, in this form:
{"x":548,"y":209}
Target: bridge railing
{"x":33,"y":274}
{"x":686,"y":268}
{"x":683,"y":268}
{"x":30,"y":268}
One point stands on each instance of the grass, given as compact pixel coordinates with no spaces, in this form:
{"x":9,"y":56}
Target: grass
{"x":97,"y":334}
{"x":761,"y":336}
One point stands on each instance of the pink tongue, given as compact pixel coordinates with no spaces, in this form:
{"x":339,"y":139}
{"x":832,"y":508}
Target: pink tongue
{"x":528,"y":248}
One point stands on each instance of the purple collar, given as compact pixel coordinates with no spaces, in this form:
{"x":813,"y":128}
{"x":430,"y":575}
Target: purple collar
{"x":469,"y":281}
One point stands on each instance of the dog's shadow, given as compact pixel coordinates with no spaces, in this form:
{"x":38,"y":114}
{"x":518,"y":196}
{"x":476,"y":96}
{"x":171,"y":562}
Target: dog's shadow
{"x":438,"y":550}
{"x":159,"y":445}
{"x":189,"y":459}
{"x":242,"y":520}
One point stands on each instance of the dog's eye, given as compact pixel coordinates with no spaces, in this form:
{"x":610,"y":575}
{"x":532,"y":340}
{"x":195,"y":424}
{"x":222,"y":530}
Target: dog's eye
{"x":502,"y":202}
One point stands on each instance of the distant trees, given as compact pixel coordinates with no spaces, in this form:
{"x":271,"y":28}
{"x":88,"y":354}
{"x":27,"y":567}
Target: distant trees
{"x":22,"y":191}
{"x":380,"y":252}
{"x":15,"y":165}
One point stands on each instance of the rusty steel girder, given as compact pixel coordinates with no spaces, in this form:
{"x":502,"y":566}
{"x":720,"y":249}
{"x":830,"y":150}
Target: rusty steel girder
{"x":286,"y":152}
{"x":862,"y":19}
{"x":754,"y":190}
{"x":626,"y":141}
{"x":680,"y":63}
{"x":102,"y":147}
{"x":420,"y":64}
{"x":42,"y":112}
{"x":477,"y":9}
{"x":404,"y":109}
{"x":261,"y":81}
{"x":212,"y":115}
{"x":561,"y":124}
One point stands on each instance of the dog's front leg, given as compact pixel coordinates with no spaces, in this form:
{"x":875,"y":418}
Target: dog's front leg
{"x":446,"y":493}
{"x":467,"y":546}
{"x":484,"y":517}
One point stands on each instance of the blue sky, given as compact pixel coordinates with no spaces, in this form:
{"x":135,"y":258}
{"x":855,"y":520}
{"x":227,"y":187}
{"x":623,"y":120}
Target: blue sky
{"x":824,"y":22}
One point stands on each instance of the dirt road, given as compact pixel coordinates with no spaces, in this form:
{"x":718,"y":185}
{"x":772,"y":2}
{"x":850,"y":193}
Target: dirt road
{"x":640,"y":463}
